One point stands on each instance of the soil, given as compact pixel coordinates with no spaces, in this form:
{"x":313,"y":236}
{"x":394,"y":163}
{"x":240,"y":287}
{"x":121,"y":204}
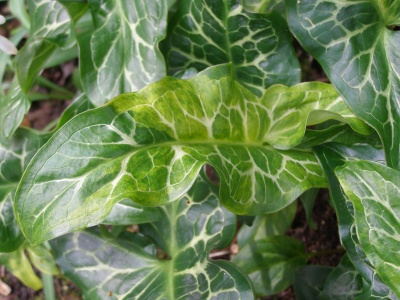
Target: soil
{"x":325,"y":237}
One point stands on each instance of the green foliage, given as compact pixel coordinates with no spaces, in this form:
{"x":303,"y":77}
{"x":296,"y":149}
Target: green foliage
{"x":132,"y":147}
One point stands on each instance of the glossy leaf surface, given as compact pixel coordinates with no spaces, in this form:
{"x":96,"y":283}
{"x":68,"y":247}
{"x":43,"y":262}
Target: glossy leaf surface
{"x":259,"y":46}
{"x":122,"y":54}
{"x":355,"y":43}
{"x":374,"y":191}
{"x":271,"y":262}
{"x":188,"y":229}
{"x":335,"y":155}
{"x":149,"y":147}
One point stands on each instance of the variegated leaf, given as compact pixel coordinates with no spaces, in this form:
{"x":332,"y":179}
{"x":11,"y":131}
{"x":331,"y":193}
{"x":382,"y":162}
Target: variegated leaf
{"x":374,"y":190}
{"x":122,"y":54}
{"x":356,"y":44}
{"x":149,"y":147}
{"x":127,"y":267}
{"x":13,"y":161}
{"x":206,"y":33}
{"x":330,"y":157}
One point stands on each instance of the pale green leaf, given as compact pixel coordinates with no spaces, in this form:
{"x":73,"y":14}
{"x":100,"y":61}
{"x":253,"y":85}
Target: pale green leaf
{"x":127,"y":267}
{"x":18,"y":264}
{"x":149,"y":147}
{"x":374,"y":190}
{"x":42,"y":258}
{"x":271,"y":262}
{"x":206,"y":33}
{"x":356,"y":44}
{"x":121,"y":55}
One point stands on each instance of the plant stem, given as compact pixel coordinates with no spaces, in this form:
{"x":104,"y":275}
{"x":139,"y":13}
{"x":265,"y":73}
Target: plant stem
{"x":43,"y":96}
{"x":47,"y":83}
{"x":48,"y":287}
{"x":324,"y":252}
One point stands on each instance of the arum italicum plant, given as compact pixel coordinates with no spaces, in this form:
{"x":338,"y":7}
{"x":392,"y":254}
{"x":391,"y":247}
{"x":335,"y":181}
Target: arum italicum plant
{"x":166,"y":87}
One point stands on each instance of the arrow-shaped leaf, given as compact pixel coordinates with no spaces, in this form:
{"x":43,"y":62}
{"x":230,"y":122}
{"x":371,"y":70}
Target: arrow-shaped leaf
{"x":355,"y":43}
{"x":127,"y":267}
{"x":206,"y":33}
{"x":149,"y":147}
{"x":374,"y":191}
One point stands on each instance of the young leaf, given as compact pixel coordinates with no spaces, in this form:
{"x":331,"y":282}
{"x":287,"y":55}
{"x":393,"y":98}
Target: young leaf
{"x":330,"y":157}
{"x":374,"y":191}
{"x":271,"y":262}
{"x":18,"y":264}
{"x":355,"y":44}
{"x":187,"y":231}
{"x":149,"y":147}
{"x":207,"y":33}
{"x":122,"y":54}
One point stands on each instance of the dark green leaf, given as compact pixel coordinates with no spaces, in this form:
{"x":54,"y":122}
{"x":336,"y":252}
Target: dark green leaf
{"x":127,"y":267}
{"x":332,"y":156}
{"x":344,"y":282}
{"x":374,"y":191}
{"x":206,"y":33}
{"x":355,"y":44}
{"x":121,"y":55}
{"x":309,"y":281}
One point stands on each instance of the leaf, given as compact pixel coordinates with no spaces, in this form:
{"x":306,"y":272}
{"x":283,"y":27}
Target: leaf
{"x":126,"y":213}
{"x":308,"y":200}
{"x":13,"y":161}
{"x":271,"y":262}
{"x":359,"y":52}
{"x":80,"y":104}
{"x":50,"y":28}
{"x":43,"y":259}
{"x":136,"y":148}
{"x":207,"y":33}
{"x":127,"y":267}
{"x":18,"y":264}
{"x":374,"y":191}
{"x":13,"y":108}
{"x":276,"y":223}
{"x":309,"y":281}
{"x":122,"y":53}
{"x":330,"y":157}
{"x":343,"y":283}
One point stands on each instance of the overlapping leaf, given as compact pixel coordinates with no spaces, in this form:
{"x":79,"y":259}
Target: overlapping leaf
{"x":271,"y":262}
{"x":13,"y":161}
{"x":309,"y":281}
{"x":122,"y":54}
{"x":259,"y":46}
{"x":374,"y":191}
{"x":149,"y":147}
{"x":127,"y":267}
{"x":355,"y":43}
{"x":332,"y":156}
{"x":49,"y":29}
